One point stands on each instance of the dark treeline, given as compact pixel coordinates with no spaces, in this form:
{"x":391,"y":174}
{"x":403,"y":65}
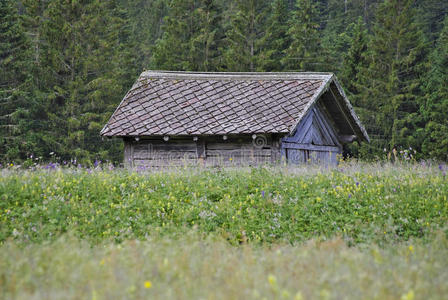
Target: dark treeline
{"x":66,"y":64}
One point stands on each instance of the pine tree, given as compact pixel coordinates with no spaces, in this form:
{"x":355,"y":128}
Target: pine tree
{"x":82,"y":74}
{"x":246,"y":28}
{"x":275,"y":40}
{"x":14,"y":84}
{"x":304,"y":52}
{"x":207,"y":38}
{"x":145,"y":19}
{"x":172,"y":50}
{"x":355,"y":79}
{"x":436,"y":100}
{"x":431,"y":16}
{"x":354,"y":61}
{"x":191,"y":37}
{"x":396,"y":64}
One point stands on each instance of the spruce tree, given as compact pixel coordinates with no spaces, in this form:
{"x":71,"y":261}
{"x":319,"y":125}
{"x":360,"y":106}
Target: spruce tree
{"x":304,"y":52}
{"x":355,"y":61}
{"x":275,"y":40}
{"x":355,"y":78}
{"x":14,"y":84}
{"x":245,"y":30}
{"x":172,"y":50}
{"x":436,"y":100}
{"x":207,"y":38}
{"x":397,"y":56}
{"x":83,"y":73}
{"x":145,"y":19}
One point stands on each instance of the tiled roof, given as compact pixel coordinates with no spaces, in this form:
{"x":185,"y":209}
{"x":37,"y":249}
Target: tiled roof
{"x":181,"y":103}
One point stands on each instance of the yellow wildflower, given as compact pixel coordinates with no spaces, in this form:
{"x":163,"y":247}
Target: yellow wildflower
{"x":409,"y":296}
{"x":148,"y":284}
{"x":298,"y":296}
{"x":272,"y":280}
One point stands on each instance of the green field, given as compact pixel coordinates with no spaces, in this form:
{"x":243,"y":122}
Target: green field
{"x":360,"y":231}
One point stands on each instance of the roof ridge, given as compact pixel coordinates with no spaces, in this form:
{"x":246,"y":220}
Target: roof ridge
{"x":236,"y":75}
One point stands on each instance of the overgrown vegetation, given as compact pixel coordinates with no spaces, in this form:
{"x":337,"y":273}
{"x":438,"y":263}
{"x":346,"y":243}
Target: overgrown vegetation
{"x":386,"y":203}
{"x":65,"y":65}
{"x":375,"y":231}
{"x":191,"y":267}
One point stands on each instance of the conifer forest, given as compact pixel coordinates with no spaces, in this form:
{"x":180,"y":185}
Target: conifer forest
{"x":65,"y":65}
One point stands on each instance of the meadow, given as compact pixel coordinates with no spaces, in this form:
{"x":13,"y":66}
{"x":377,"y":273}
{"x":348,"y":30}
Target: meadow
{"x":359,"y":231}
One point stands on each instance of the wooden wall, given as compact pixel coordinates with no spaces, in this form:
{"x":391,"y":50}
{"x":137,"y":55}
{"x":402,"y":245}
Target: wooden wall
{"x":207,"y":151}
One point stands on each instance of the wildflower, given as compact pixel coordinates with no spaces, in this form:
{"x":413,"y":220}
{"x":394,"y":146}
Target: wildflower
{"x":298,"y":296}
{"x":148,"y":284}
{"x":272,"y":280}
{"x":411,"y":248}
{"x":409,"y":296}
{"x":318,"y":199}
{"x":262,"y":194}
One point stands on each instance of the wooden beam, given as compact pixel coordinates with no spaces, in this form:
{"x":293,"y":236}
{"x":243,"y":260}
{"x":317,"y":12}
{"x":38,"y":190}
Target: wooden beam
{"x":311,"y":147}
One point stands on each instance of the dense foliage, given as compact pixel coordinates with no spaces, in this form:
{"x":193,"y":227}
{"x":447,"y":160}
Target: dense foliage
{"x":65,"y":65}
{"x":360,"y":204}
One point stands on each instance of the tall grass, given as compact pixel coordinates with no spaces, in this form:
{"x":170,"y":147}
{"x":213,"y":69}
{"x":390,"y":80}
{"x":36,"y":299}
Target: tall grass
{"x":360,"y":202}
{"x":194,"y":267}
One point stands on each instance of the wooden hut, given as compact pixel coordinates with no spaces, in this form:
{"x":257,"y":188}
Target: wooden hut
{"x":231,"y":118}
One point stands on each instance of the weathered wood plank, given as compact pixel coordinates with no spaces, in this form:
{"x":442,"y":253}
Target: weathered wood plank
{"x":239,"y":152}
{"x":302,"y":129}
{"x":168,"y":146}
{"x":165,"y":155}
{"x":326,"y":127}
{"x":311,"y":147}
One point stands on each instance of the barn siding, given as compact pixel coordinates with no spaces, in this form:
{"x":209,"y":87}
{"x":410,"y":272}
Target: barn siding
{"x":315,"y":141}
{"x":209,"y":151}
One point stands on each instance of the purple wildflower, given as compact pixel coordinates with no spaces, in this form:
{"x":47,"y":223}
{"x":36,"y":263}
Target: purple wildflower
{"x":349,"y":196}
{"x":441,"y":167}
{"x":262,"y":194}
{"x":357,"y":183}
